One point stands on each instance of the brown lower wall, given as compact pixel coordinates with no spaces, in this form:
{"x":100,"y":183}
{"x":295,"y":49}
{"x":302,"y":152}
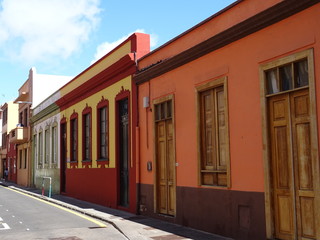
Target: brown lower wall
{"x":235,"y":214}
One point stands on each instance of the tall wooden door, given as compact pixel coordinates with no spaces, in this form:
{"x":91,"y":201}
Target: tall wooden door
{"x":165,"y":184}
{"x":292,"y":169}
{"x":123,"y":153}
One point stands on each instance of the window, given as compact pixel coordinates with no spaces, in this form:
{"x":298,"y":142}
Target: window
{"x":74,"y":137}
{"x":163,"y":111}
{"x":40,"y":150}
{"x":20,"y":159}
{"x":5,"y":117}
{"x":47,"y":146}
{"x":35,"y":148}
{"x":213,"y":134}
{"x":21,"y":118}
{"x":54,"y":145}
{"x":103,"y":130}
{"x":25,"y":117}
{"x":287,"y":76}
{"x":25,"y":157}
{"x":86,"y":142}
{"x":4,"y":140}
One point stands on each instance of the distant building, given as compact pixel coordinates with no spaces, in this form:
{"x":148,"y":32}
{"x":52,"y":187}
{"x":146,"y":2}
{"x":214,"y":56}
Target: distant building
{"x":9,"y":112}
{"x":35,"y":89}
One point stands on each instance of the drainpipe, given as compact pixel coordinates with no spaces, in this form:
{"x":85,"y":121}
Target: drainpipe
{"x":137,"y":129}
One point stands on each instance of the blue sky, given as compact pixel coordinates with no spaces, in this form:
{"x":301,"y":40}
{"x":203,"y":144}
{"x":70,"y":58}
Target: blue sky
{"x":64,"y":37}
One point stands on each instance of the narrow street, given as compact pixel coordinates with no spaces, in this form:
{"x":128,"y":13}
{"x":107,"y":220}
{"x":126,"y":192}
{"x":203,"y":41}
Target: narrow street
{"x":25,"y":217}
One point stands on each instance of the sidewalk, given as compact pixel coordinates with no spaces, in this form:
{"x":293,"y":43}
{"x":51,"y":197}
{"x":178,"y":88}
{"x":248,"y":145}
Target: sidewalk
{"x":133,"y":227}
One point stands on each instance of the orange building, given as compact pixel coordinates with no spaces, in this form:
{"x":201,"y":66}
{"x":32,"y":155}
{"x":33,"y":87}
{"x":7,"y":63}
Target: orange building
{"x":97,"y":128}
{"x":228,"y":139}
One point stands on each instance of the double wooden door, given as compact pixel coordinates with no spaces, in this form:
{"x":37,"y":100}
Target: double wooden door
{"x":166,"y":184}
{"x":293,"y":171}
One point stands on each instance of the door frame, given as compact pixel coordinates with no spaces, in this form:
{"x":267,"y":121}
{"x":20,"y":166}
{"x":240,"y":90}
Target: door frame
{"x":155,"y":192}
{"x":123,"y":94}
{"x":308,"y":53}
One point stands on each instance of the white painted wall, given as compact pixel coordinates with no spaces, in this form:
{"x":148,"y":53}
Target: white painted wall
{"x":44,"y":85}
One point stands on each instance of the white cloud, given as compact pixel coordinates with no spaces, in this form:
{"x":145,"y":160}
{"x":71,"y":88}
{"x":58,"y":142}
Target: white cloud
{"x":106,"y":47}
{"x":34,"y":30}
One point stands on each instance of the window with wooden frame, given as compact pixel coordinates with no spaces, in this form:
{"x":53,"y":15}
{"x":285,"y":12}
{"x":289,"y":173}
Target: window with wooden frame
{"x":25,"y":117}
{"x":86,"y":134}
{"x":20,"y":159}
{"x":103,"y":130}
{"x":74,"y":137}
{"x":5,"y":117}
{"x":25,"y":157}
{"x":287,"y":77}
{"x":213,"y":134}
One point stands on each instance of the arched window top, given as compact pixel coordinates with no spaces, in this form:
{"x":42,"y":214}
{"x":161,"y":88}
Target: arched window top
{"x":54,"y":124}
{"x":74,"y":115}
{"x":103,"y":103}
{"x":86,"y":110}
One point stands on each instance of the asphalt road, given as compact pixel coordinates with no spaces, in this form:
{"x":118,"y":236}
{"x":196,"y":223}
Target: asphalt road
{"x":25,"y":217}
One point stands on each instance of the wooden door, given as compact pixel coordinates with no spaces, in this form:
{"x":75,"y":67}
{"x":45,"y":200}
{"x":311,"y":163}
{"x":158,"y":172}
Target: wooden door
{"x":292,"y":168}
{"x":123,"y":152}
{"x":166,"y":186}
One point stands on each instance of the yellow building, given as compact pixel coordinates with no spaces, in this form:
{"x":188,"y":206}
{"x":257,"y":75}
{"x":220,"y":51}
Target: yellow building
{"x":97,"y":128}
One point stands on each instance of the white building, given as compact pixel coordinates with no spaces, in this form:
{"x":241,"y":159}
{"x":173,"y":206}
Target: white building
{"x":32,"y":93}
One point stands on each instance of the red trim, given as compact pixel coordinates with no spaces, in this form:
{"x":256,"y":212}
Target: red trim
{"x":144,"y":45}
{"x":86,"y":162}
{"x":74,"y":117}
{"x":63,"y":120}
{"x":123,"y":94}
{"x":145,"y":38}
{"x":103,"y":103}
{"x":117,"y":71}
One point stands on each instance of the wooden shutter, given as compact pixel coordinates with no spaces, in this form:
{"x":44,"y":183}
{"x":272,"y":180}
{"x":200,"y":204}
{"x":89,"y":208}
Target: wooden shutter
{"x":213,"y":137}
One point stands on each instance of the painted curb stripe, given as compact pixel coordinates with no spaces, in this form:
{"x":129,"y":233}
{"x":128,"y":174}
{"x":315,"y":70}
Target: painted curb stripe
{"x":100,"y":224}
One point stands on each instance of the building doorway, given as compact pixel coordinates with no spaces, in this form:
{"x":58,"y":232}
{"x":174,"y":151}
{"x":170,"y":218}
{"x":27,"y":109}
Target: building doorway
{"x":123,"y":151}
{"x":291,"y":158}
{"x":165,"y":158}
